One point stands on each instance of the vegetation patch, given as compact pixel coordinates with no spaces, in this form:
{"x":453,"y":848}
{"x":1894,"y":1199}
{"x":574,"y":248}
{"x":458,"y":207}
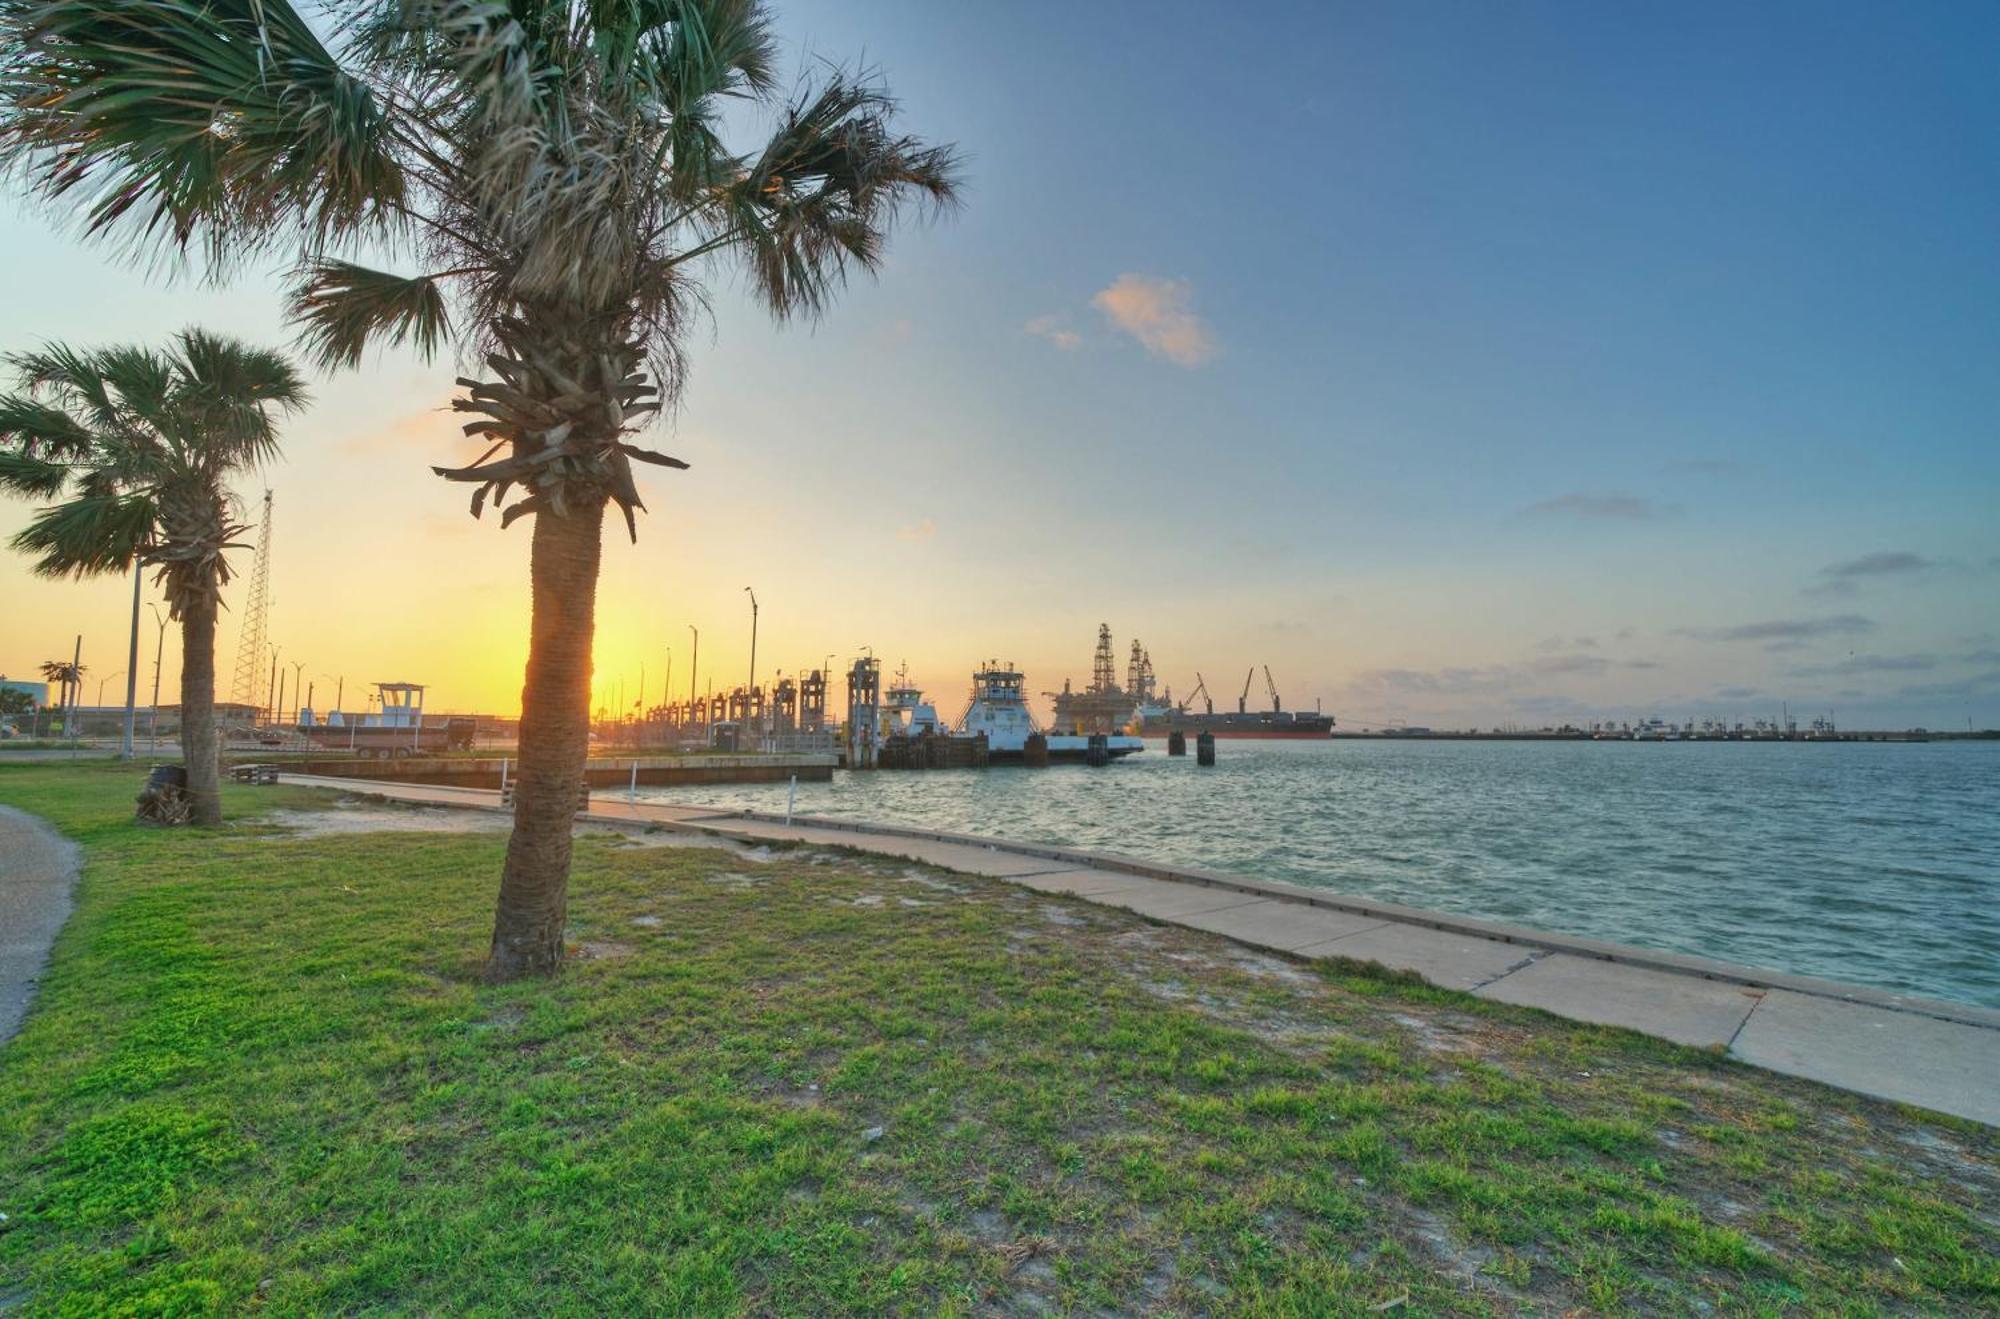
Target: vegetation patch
{"x":264,"y":1074}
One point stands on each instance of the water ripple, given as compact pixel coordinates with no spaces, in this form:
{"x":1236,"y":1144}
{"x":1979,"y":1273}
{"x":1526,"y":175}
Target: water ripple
{"x":1876,"y":863}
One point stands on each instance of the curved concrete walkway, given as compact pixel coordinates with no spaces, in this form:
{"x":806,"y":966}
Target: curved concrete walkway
{"x":1926,"y":1052}
{"x":38,"y":868}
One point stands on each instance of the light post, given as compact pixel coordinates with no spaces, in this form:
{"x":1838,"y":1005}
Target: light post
{"x":132,"y":663}
{"x":694,"y":668}
{"x":159,"y":654}
{"x":298,"y":672}
{"x":99,"y":702}
{"x":271,"y":700}
{"x":753,"y":647}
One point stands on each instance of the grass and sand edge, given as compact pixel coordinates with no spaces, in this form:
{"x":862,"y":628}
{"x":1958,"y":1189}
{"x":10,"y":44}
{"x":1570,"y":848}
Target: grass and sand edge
{"x":263,"y":1073}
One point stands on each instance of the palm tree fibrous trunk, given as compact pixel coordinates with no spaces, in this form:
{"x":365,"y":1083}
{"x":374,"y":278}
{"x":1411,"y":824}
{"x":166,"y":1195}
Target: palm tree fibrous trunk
{"x":200,"y":752}
{"x":555,"y":742}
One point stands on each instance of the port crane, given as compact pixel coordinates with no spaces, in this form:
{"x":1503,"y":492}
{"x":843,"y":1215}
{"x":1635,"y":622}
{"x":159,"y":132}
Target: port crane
{"x":1201,"y":690}
{"x":1243,"y":701}
{"x":1271,"y":686}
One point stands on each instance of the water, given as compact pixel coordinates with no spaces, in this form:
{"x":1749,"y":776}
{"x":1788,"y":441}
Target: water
{"x":1868,"y":862}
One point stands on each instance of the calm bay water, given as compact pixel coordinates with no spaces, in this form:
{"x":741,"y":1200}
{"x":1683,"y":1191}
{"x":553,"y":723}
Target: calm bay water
{"x":1870,"y":862}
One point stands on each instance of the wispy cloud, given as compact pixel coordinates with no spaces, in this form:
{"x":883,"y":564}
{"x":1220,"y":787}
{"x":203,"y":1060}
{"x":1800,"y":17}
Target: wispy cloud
{"x":1701,"y":467}
{"x":1055,"y":328}
{"x":1599,"y":507}
{"x":1869,"y":664}
{"x":1883,"y":563}
{"x":923,"y":530}
{"x":1490,"y":678}
{"x":1159,"y":314}
{"x":1784,"y":629}
{"x":1842,"y":580}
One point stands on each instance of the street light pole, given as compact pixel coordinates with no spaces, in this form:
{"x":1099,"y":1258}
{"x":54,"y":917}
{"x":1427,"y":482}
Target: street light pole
{"x":694,"y":669}
{"x":159,"y":654}
{"x":298,"y":672}
{"x":132,"y":664}
{"x":271,"y":700}
{"x":753,"y":647}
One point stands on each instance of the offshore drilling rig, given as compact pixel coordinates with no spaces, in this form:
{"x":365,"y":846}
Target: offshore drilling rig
{"x":1104,"y":706}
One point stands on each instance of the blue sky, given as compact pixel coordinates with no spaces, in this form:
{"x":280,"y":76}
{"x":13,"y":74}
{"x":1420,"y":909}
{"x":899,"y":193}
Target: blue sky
{"x":1465,"y":363}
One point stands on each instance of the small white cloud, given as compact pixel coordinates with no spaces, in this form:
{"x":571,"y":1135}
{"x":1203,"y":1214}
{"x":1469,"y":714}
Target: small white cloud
{"x":1157,"y":312}
{"x":1056,"y":330}
{"x":923,"y":530}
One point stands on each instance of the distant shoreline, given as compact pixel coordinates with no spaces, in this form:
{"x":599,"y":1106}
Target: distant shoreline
{"x":1978,"y":735}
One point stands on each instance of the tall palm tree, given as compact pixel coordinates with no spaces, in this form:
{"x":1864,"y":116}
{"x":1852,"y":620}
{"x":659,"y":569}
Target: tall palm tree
{"x":551,"y":175}
{"x":135,"y":449}
{"x":66,"y":674}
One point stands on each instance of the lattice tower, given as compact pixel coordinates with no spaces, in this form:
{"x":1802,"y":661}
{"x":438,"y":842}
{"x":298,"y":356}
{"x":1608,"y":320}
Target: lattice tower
{"x":248,"y":688}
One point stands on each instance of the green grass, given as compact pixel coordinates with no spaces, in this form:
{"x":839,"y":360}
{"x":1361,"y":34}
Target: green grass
{"x":263,"y":1077}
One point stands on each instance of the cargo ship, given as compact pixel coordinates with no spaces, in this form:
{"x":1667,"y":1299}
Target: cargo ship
{"x":1276,"y":722}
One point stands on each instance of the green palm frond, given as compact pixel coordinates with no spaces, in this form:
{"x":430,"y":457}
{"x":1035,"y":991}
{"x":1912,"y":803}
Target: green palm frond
{"x":560,"y":170}
{"x":33,"y":428}
{"x":21,"y":473}
{"x":221,"y":118}
{"x":76,"y":380}
{"x":819,"y":198}
{"x":134,"y":448}
{"x":341,"y":308}
{"x":89,"y":535}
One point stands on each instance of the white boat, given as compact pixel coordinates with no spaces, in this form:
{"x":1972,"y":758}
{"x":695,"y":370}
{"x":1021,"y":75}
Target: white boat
{"x":905,"y":712}
{"x":999,"y":709}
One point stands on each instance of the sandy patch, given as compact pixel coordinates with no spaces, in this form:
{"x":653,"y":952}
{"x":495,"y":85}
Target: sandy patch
{"x":358,"y":818}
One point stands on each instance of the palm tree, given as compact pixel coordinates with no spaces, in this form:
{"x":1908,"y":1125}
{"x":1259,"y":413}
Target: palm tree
{"x":66,"y":675}
{"x":135,"y":449}
{"x":554,"y":173}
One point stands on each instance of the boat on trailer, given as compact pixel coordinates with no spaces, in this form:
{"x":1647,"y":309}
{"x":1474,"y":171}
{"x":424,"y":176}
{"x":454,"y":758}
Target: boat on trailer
{"x":396,"y":728}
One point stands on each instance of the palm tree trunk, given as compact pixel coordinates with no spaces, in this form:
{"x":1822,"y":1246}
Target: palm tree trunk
{"x":199,"y":752}
{"x":555,"y":740}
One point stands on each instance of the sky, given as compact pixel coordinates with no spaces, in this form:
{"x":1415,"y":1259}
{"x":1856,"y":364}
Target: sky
{"x":1469,"y":365}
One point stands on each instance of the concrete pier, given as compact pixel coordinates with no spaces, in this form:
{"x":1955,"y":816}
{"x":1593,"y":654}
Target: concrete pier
{"x":1925,"y":1052}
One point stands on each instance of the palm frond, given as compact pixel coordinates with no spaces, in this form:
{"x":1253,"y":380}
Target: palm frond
{"x":74,"y":379}
{"x":90,"y":535}
{"x":341,"y":308}
{"x":226,"y":120}
{"x":35,"y":478}
{"x":37,"y":429}
{"x":820,"y":197}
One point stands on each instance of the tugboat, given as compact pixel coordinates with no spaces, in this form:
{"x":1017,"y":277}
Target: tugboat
{"x":999,"y":709}
{"x":905,"y":712}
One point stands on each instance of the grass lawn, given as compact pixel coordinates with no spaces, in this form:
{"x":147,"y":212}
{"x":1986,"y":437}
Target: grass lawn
{"x":263,"y":1077}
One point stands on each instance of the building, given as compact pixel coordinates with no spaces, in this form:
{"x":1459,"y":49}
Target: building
{"x":38,"y":692}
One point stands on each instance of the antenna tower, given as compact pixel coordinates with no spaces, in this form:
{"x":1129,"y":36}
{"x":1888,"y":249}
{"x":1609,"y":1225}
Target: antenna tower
{"x":248,"y":688}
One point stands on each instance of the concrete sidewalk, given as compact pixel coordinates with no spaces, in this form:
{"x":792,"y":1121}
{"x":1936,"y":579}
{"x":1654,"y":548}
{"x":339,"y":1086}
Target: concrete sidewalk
{"x":1926,"y":1052}
{"x":38,"y":868}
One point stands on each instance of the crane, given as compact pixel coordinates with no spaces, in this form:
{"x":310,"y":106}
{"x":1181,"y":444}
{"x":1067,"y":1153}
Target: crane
{"x":1277,"y":706}
{"x":1201,"y":690}
{"x":1243,"y":701}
